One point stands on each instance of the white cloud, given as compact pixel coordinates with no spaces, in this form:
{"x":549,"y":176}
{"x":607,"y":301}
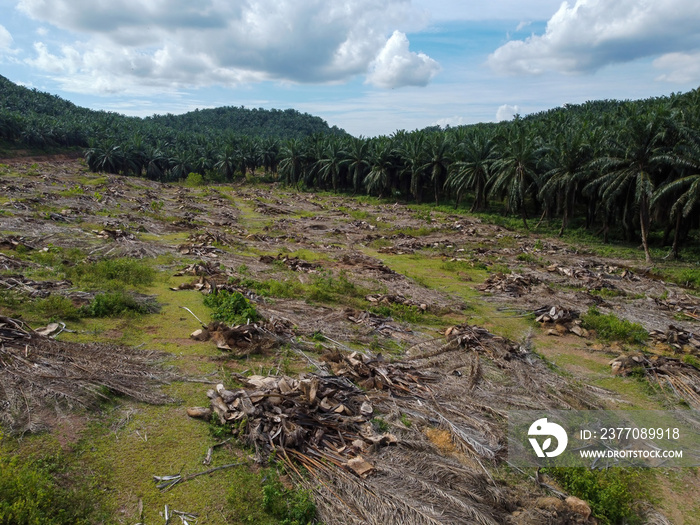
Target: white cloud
{"x":397,"y":66}
{"x":451,"y":10}
{"x":591,"y":34}
{"x":6,"y":41}
{"x":506,"y":112}
{"x":180,"y":43}
{"x":682,"y":67}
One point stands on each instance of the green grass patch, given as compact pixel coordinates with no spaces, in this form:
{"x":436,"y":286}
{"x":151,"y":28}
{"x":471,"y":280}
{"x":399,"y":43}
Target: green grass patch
{"x":38,"y":492}
{"x":609,"y":327}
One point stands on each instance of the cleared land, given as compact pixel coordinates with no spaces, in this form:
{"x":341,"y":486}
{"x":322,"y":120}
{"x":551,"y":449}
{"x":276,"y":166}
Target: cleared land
{"x":116,"y":259}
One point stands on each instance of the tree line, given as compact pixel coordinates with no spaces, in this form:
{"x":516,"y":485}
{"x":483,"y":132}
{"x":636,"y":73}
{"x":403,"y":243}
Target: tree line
{"x":626,"y":169}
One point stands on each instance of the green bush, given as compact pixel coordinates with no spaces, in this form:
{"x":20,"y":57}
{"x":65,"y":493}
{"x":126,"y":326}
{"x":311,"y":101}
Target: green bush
{"x":115,"y":304}
{"x":231,"y":308}
{"x":611,"y":328}
{"x":611,"y":493}
{"x":194,"y":180}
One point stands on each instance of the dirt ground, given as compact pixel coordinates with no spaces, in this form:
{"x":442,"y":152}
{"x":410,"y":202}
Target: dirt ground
{"x":451,"y":268}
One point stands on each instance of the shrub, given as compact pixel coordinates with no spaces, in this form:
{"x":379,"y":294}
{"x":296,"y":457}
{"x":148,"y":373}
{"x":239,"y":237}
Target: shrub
{"x":57,"y":308}
{"x":194,"y":180}
{"x":611,"y":328}
{"x":231,"y":308}
{"x":116,"y":304}
{"x":611,"y":493}
{"x":112,"y":274}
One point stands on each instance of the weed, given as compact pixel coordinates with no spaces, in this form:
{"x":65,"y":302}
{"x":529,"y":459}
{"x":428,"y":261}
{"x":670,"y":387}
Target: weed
{"x":115,"y":304}
{"x":406,"y":420}
{"x":611,"y":328}
{"x":691,"y":360}
{"x":56,"y":308}
{"x":231,"y":308}
{"x":290,"y":507}
{"x":112,"y":274}
{"x":380,"y":424}
{"x":400,"y":312}
{"x":611,"y":493}
{"x":527,"y":258}
{"x":318,"y":336}
{"x":30,"y":494}
{"x":327,"y":289}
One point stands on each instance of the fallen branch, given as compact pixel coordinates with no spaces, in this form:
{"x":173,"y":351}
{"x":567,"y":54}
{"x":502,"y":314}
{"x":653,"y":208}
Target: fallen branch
{"x":171,"y":481}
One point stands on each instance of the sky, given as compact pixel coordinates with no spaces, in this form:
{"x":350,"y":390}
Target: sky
{"x":371,"y":67}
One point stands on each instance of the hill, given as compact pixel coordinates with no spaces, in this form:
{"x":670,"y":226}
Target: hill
{"x":33,"y":119}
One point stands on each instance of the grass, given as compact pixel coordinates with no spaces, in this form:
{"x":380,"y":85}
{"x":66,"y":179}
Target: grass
{"x":45,"y":490}
{"x":609,"y":327}
{"x":613,"y":494}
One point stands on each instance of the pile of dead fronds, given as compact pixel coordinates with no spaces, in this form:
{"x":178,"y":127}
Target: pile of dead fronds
{"x":682,"y":304}
{"x":512,"y":284}
{"x":665,"y":372}
{"x":387,"y":299}
{"x":246,"y":339}
{"x":444,"y":412}
{"x":559,"y":320}
{"x":678,"y":339}
{"x":293,"y":263}
{"x":41,"y":378}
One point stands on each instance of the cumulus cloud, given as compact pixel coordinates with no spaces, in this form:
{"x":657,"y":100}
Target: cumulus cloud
{"x":591,"y":34}
{"x":183,"y":43}
{"x":397,"y":66}
{"x":681,"y":67}
{"x":506,"y":112}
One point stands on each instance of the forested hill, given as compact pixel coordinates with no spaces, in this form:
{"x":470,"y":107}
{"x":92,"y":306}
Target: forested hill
{"x":30,"y":118}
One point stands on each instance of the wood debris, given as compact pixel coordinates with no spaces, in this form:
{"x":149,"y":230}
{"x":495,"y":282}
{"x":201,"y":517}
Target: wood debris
{"x":293,"y":263}
{"x":387,"y":299}
{"x":323,"y":417}
{"x":243,"y":340}
{"x":512,"y":284}
{"x":203,"y":244}
{"x":677,"y":339}
{"x":559,"y":321}
{"x":683,"y":379}
{"x":114,"y":234}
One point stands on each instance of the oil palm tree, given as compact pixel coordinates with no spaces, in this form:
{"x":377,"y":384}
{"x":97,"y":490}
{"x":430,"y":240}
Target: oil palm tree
{"x":477,"y":153}
{"x":514,"y":173}
{"x":635,"y":155}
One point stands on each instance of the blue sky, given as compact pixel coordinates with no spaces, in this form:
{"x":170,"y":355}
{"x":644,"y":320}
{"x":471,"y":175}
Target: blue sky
{"x":369,"y":66}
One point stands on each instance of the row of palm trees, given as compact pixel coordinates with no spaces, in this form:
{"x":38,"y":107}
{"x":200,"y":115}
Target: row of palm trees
{"x":622,"y":168}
